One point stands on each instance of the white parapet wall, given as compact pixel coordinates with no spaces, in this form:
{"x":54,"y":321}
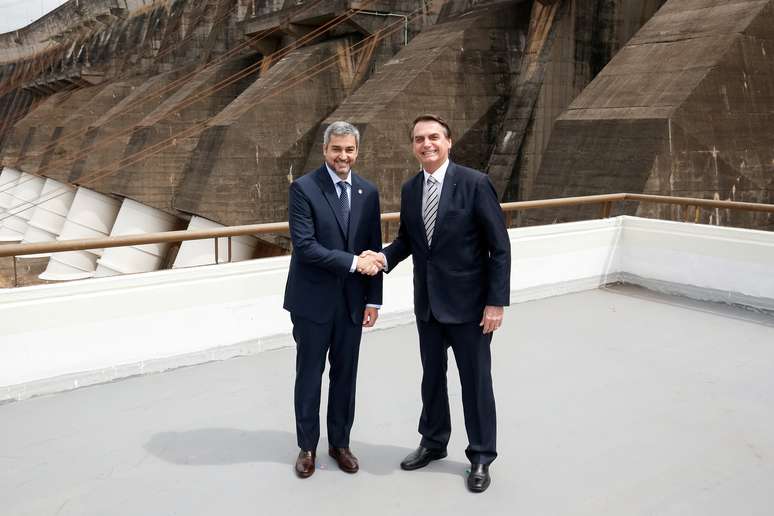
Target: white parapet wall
{"x":61,"y":336}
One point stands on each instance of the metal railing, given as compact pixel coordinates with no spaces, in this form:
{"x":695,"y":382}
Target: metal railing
{"x":606,"y":202}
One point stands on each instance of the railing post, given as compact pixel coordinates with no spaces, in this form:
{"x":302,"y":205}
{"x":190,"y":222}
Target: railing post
{"x":606,"y":208}
{"x":386,"y":235}
{"x":216,"y":250}
{"x":15,"y":277}
{"x":229,"y":249}
{"x":686,"y":216}
{"x":508,"y":219}
{"x":697,"y":214}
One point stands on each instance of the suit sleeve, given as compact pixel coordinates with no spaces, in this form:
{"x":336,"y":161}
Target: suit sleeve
{"x":374,"y":292}
{"x":400,"y":248}
{"x":302,"y":235}
{"x":492,"y":223}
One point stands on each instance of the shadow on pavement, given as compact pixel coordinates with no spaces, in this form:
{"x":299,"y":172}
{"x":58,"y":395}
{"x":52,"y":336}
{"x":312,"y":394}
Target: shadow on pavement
{"x":218,"y":446}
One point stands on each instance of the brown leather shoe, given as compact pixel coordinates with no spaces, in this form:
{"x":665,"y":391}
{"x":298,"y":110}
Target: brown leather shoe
{"x":305,"y":463}
{"x":344,"y":458}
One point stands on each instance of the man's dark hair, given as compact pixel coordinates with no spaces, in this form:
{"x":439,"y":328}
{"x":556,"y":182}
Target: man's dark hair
{"x":428,"y":117}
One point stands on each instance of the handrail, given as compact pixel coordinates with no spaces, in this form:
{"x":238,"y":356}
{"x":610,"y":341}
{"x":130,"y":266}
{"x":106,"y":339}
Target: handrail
{"x":282,"y":227}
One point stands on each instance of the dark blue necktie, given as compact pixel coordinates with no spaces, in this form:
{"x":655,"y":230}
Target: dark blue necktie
{"x":344,"y":204}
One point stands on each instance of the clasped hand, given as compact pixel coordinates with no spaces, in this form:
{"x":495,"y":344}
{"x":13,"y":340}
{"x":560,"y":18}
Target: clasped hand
{"x":370,"y":263}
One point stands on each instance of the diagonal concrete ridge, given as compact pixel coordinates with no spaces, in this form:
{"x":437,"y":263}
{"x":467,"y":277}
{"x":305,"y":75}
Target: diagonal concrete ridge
{"x":694,"y":81}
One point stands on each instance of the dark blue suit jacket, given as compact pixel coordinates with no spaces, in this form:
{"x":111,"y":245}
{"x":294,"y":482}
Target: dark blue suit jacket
{"x":469,"y":263}
{"x":322,"y":256}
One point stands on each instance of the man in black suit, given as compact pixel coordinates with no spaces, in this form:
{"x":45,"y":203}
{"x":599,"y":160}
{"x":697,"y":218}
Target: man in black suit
{"x":331,"y":292}
{"x":453,"y":227}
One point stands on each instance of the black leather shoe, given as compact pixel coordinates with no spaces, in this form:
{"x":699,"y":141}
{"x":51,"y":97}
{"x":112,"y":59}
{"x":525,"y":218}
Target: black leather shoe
{"x":421,"y":457}
{"x":479,"y":478}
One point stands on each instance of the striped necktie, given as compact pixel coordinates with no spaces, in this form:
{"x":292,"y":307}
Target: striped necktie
{"x":344,"y":204}
{"x":431,"y":207}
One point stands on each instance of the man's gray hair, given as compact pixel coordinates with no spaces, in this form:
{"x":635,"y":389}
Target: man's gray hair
{"x":341,"y":128}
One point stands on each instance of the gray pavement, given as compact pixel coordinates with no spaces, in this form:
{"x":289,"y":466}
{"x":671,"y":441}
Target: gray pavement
{"x":610,"y":402}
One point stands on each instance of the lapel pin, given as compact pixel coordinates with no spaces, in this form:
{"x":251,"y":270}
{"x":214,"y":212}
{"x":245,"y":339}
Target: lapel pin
{"x":359,"y":191}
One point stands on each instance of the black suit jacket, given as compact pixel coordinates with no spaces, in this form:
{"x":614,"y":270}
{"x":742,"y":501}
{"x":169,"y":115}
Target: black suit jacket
{"x":322,"y":255}
{"x":469,"y":263}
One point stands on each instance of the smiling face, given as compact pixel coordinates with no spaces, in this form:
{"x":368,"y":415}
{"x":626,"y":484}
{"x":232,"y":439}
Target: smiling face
{"x":431,"y":144}
{"x":340,"y":153}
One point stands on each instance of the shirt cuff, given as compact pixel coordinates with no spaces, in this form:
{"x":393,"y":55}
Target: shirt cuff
{"x":354,"y":263}
{"x":386,"y":265}
{"x":373,"y":306}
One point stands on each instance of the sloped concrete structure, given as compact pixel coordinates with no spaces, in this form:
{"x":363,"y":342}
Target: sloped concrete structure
{"x":243,"y":165}
{"x":686,"y":108}
{"x":458,"y":68}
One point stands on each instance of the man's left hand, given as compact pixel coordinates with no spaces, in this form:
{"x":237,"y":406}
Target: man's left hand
{"x":370,"y":316}
{"x":492,"y":319}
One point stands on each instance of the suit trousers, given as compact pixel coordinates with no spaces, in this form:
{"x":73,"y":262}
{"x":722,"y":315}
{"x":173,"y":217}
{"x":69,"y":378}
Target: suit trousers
{"x":339,"y":339}
{"x":474,"y":361}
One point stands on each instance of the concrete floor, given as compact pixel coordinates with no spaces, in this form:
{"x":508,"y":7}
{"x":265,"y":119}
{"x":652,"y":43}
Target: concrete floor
{"x":610,"y":402}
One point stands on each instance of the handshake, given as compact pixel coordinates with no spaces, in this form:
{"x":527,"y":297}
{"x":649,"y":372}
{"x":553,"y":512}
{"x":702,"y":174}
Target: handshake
{"x":371,"y":263}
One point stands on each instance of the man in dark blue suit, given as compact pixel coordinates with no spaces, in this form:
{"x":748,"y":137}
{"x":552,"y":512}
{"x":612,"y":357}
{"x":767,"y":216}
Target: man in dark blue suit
{"x":331,"y":292}
{"x":452,"y":226}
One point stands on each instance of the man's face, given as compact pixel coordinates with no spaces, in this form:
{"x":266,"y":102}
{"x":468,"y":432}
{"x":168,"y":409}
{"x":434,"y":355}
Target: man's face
{"x":431,"y":145}
{"x":341,"y":153}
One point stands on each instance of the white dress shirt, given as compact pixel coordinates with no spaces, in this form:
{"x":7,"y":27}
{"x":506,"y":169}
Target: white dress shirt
{"x":438,"y":175}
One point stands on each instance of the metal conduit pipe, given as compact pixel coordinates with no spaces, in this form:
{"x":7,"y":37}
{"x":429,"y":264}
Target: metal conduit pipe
{"x":405,"y":21}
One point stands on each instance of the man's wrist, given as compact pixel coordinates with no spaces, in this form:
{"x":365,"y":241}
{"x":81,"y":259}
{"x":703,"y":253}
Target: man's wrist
{"x":384,"y":261}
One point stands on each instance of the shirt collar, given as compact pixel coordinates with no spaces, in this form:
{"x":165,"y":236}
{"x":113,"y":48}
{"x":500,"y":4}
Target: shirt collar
{"x":335,"y":178}
{"x":439,"y":174}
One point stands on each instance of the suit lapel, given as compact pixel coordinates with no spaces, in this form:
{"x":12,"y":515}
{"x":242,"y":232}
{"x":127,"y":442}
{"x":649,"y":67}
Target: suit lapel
{"x":447,"y":193}
{"x":416,"y":191}
{"x":355,"y":209}
{"x":329,"y":190}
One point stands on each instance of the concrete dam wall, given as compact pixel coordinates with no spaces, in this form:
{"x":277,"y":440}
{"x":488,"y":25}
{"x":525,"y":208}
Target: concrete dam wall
{"x":207,"y":109}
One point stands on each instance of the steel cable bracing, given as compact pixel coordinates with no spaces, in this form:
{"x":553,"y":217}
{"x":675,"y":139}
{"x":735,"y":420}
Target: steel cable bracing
{"x":156,"y":148}
{"x":281,"y":88}
{"x":68,"y":159}
{"x":165,"y":89}
{"x":169,"y":87}
{"x":25,"y":205}
{"x":53,"y":53}
{"x":168,"y":50}
{"x":173,"y":85}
